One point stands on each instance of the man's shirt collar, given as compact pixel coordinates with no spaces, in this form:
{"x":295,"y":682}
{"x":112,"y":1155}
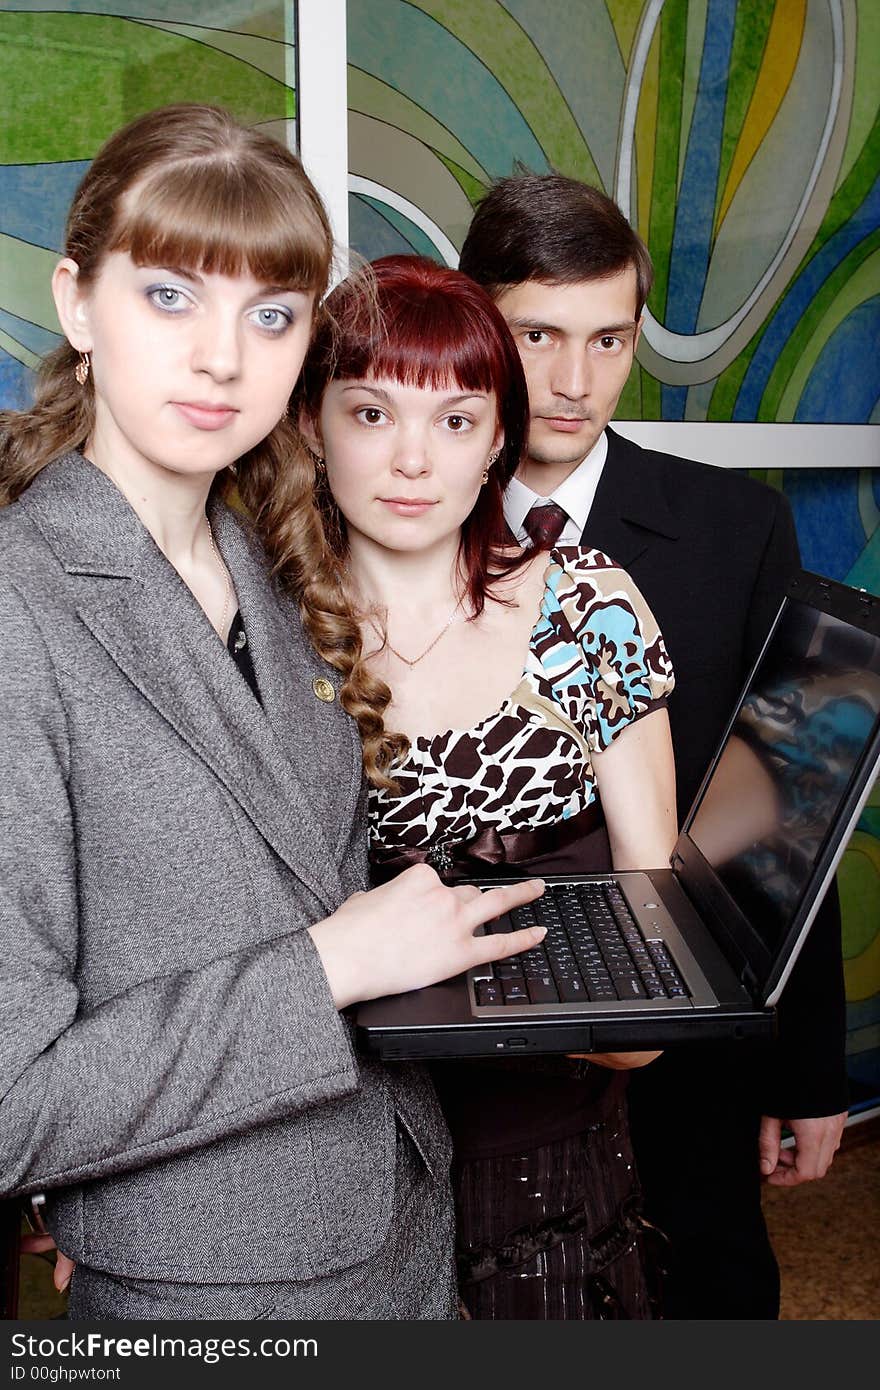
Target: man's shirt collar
{"x":575,"y":496}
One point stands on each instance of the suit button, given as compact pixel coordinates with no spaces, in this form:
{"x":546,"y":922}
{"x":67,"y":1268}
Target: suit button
{"x":324,"y":689}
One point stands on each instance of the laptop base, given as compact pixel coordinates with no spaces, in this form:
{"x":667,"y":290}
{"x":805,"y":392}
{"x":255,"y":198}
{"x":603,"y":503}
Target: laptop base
{"x":454,"y":1034}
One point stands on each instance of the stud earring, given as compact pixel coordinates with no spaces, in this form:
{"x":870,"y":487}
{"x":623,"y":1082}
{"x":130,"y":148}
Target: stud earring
{"x":81,"y":370}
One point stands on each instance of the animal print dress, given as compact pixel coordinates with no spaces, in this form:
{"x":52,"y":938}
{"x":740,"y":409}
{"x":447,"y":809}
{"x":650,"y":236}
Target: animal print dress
{"x":546,"y":1193}
{"x":596,"y":662}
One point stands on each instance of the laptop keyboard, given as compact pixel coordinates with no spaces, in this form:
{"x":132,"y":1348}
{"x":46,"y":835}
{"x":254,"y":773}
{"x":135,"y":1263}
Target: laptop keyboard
{"x":594,"y":951}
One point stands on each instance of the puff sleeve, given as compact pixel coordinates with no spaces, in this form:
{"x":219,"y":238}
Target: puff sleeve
{"x":610,"y":656}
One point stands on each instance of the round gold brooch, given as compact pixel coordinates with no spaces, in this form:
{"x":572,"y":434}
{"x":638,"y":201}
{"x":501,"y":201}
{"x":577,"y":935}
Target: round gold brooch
{"x":324,"y":689}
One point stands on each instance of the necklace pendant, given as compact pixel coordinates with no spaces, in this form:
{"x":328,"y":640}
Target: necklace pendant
{"x":431,"y":645}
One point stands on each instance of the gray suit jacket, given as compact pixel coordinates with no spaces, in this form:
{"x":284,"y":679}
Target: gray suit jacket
{"x":173,"y":1070}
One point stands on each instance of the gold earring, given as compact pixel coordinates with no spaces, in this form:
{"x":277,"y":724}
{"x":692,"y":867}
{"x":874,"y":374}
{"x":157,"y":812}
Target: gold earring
{"x":485,"y":477}
{"x":81,"y":370}
{"x":317,"y":459}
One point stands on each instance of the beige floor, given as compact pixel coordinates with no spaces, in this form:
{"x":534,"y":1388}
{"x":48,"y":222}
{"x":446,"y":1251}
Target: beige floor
{"x":826,"y":1236}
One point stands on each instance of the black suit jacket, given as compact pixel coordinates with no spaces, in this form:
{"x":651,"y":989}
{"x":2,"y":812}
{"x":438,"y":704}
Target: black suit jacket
{"x":712,"y":552}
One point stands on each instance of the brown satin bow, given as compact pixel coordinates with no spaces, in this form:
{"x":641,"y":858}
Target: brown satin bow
{"x":464,"y":859}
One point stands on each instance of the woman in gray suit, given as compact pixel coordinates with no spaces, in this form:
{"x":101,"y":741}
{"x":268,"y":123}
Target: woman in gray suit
{"x":183,"y":848}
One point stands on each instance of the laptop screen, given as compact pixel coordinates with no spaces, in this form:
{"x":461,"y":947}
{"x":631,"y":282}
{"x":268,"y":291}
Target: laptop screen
{"x":801,"y":732}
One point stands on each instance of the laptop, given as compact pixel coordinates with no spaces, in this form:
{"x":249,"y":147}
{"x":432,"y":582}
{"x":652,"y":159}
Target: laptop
{"x":701,"y":950}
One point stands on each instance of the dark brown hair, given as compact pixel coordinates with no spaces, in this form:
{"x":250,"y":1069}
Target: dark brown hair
{"x":413,"y":321}
{"x":553,"y":229}
{"x":186,"y":186}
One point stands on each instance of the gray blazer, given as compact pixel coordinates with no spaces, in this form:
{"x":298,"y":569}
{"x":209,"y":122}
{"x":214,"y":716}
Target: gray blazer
{"x":172,"y":1068}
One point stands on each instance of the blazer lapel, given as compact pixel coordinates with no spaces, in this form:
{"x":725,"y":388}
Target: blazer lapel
{"x":630,"y":510}
{"x":313,"y":734}
{"x":158,"y":636}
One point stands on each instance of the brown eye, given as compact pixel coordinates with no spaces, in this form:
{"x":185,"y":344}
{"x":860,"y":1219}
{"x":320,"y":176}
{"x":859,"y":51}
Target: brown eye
{"x":456,"y":422}
{"x":371,"y":415}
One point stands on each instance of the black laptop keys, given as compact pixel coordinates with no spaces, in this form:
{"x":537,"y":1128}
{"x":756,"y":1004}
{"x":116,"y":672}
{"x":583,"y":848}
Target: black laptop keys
{"x":593,"y":950}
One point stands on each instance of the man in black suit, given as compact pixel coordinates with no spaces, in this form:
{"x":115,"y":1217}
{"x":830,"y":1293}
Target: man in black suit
{"x":712,"y":552}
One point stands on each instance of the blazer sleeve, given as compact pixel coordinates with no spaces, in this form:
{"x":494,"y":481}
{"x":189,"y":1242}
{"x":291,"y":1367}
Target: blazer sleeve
{"x":807,"y":1072}
{"x":167,"y":1066}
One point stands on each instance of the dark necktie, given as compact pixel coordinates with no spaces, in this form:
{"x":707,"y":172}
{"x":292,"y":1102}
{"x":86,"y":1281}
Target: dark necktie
{"x":544,"y":524}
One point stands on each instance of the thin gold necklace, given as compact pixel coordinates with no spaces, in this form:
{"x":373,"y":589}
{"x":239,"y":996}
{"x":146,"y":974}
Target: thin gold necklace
{"x":431,"y":645}
{"x":228,"y":589}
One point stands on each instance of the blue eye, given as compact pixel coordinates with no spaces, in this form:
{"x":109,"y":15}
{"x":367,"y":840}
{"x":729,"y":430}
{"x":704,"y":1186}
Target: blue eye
{"x":167,"y":297}
{"x":272,"y":318}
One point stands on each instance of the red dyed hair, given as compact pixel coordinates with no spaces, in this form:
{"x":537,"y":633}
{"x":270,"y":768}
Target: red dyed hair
{"x":419,"y":323}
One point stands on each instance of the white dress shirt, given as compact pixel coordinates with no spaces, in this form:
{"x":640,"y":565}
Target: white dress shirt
{"x":574,"y":496}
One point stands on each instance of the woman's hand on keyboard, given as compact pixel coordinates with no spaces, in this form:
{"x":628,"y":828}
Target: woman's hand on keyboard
{"x":415,"y":931}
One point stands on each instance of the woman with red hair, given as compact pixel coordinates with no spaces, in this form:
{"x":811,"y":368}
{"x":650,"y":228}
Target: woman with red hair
{"x":504,"y":696}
